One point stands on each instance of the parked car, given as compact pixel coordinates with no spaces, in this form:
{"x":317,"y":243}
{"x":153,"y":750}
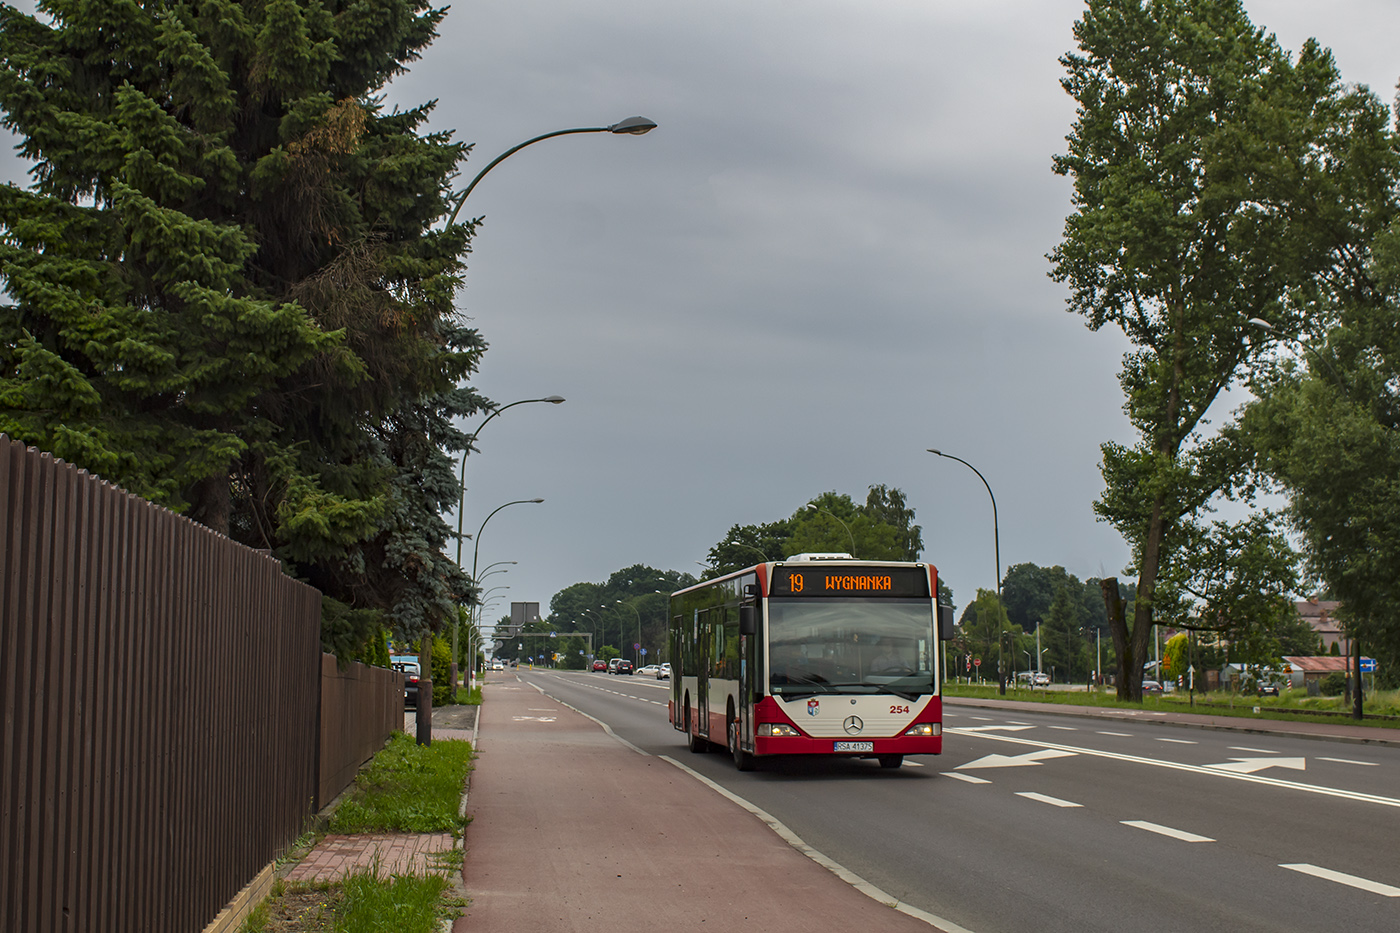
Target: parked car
{"x":648,"y":670}
{"x":664,"y":673}
{"x":600,"y":665}
{"x":624,"y":666}
{"x":407,"y":665}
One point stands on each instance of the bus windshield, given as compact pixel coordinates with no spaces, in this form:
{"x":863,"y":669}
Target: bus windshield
{"x":855,"y":646}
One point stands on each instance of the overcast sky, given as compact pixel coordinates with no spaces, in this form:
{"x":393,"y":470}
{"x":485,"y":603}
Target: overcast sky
{"x":827,"y":258}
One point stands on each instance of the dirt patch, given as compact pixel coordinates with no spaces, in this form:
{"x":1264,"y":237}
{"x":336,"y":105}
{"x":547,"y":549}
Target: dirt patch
{"x":301,"y":910}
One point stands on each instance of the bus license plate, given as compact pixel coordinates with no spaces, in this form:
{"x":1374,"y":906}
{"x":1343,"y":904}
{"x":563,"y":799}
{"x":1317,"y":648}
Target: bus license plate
{"x":855,"y":746}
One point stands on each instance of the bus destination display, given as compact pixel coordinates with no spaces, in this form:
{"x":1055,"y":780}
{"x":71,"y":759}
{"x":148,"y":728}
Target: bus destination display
{"x":901,"y":582}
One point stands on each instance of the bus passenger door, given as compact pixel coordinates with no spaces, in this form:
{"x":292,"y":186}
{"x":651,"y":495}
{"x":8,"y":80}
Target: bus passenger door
{"x":704,"y":621}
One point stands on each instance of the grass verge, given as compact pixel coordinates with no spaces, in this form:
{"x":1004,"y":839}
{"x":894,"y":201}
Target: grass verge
{"x":408,"y":788}
{"x":361,"y":902}
{"x":1292,"y":706}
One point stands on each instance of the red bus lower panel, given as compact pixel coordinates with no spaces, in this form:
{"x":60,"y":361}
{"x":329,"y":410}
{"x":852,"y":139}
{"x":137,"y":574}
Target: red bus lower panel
{"x":803,"y":745}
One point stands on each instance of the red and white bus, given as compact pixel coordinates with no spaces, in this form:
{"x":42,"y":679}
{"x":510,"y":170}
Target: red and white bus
{"x":819,"y":654}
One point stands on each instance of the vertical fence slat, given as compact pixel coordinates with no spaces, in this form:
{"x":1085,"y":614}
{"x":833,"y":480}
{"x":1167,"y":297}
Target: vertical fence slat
{"x":163,"y":726}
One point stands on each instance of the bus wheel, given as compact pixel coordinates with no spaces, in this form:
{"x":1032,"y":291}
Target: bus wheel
{"x":742,"y":759}
{"x":891,"y":761}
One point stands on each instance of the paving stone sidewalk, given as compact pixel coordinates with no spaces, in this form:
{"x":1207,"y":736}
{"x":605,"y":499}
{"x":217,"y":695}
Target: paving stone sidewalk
{"x":336,"y":856}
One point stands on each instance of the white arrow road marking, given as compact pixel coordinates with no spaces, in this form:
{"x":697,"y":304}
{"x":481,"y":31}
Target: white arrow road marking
{"x":997,"y":728}
{"x":1016,"y":761}
{"x":1179,"y":766}
{"x":1053,"y":801}
{"x":1181,"y":834}
{"x":1327,"y":874}
{"x":1251,"y":765}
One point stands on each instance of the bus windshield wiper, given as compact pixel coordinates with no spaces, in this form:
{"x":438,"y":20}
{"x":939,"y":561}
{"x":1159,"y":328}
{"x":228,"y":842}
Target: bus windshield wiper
{"x":881,"y":688}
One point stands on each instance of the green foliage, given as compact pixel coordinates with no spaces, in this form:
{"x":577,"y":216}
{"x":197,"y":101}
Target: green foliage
{"x":442,"y":670}
{"x":408,"y":788}
{"x":1215,"y":180}
{"x":405,"y":903}
{"x":226,"y":292}
{"x":1333,"y":685}
{"x":1174,"y":660}
{"x":881,"y":529}
{"x":353,"y":634}
{"x":612,"y":611}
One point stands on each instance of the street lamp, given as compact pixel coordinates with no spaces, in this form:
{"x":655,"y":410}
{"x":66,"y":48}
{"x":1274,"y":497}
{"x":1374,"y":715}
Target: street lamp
{"x":462,"y":504}
{"x":817,"y":508}
{"x":632,"y":126}
{"x":996,"y":541}
{"x":637,"y":658}
{"x":476,"y":551}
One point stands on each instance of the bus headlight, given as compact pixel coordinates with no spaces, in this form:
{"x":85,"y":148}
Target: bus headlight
{"x":778,"y":729}
{"x":925,"y":728}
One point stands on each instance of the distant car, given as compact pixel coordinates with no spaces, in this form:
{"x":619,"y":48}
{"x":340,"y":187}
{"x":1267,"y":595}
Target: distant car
{"x":612,"y":665}
{"x":664,"y":672}
{"x":648,"y":670}
{"x":600,"y":665}
{"x":1151,"y":688}
{"x":1041,"y":680}
{"x":624,"y":666}
{"x":498,"y":665}
{"x":407,"y":665}
{"x":1269,"y":690}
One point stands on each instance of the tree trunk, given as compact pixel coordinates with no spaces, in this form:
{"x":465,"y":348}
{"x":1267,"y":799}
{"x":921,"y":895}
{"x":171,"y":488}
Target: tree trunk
{"x":424,"y":714}
{"x":209,"y":502}
{"x":1118,"y":628}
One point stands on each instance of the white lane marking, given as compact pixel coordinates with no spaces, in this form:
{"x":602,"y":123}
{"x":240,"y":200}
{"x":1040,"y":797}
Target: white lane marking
{"x":533,"y":718}
{"x":1053,"y":801}
{"x":837,"y":869}
{"x":1251,"y":765}
{"x":1126,"y":735}
{"x":537,"y":709}
{"x":1065,"y":728}
{"x":1348,"y":761}
{"x":1014,"y":722}
{"x":981,"y":718}
{"x":998,"y":728}
{"x":969,"y":778}
{"x":1178,"y":741}
{"x":1257,"y":751}
{"x":1327,"y":874}
{"x":1016,"y":761}
{"x":913,"y":764}
{"x":1181,"y":834}
{"x":1178,"y":766}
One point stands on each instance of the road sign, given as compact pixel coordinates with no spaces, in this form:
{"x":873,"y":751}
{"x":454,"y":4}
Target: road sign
{"x":1368,"y":665}
{"x":977,"y":662}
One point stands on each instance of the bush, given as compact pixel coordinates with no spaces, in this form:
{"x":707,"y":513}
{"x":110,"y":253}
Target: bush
{"x":1334,"y":684}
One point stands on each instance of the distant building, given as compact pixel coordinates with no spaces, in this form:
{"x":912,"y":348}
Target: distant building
{"x":1321,"y":614}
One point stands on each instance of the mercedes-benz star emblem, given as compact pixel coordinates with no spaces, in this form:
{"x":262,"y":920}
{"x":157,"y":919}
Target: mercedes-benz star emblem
{"x":852,"y":725}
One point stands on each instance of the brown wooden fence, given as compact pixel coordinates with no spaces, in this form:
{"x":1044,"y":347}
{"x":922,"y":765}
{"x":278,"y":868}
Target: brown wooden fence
{"x":160,"y":690}
{"x":360,"y":707}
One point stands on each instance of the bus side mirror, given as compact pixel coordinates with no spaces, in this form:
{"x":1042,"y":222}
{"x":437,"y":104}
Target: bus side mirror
{"x":945,"y":623}
{"x":746,"y":620}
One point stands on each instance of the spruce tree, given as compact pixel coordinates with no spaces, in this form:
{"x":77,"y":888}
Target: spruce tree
{"x":224,"y":290}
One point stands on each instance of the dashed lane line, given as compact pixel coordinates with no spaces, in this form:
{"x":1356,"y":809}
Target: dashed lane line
{"x":1125,"y":735}
{"x":1045,"y":798}
{"x":1257,"y":751}
{"x":1161,"y":830}
{"x":1327,"y":874}
{"x":969,"y":778}
{"x":1178,"y":741}
{"x":1349,"y":761}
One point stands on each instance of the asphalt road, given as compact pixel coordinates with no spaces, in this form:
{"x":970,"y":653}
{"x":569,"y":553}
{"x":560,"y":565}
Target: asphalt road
{"x":1045,"y":822}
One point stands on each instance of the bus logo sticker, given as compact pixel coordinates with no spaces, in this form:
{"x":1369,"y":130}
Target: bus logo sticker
{"x":853,"y":725}
{"x":813,"y":706}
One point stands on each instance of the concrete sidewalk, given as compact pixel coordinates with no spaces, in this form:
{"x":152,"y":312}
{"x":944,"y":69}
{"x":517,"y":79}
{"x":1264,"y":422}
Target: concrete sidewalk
{"x":574,"y":831}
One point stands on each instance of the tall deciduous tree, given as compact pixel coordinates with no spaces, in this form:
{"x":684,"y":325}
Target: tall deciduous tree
{"x":1215,"y":180}
{"x":227,"y":295}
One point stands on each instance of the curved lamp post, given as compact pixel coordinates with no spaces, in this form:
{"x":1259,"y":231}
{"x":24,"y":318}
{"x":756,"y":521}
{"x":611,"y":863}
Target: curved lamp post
{"x":632,"y":126}
{"x":996,"y":540}
{"x":476,"y":551}
{"x":817,"y":508}
{"x":462,"y":503}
